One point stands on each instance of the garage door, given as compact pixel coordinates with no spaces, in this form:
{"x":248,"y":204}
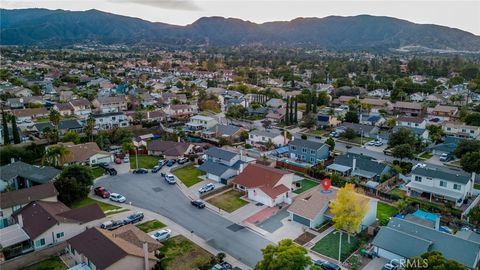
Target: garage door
{"x":301,"y":220}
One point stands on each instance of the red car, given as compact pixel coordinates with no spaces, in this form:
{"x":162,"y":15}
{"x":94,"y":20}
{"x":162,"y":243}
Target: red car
{"x":102,"y":192}
{"x":118,"y":161}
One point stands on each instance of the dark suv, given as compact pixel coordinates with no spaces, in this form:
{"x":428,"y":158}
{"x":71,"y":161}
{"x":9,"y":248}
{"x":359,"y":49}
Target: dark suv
{"x":134,"y":218}
{"x":109,"y":169}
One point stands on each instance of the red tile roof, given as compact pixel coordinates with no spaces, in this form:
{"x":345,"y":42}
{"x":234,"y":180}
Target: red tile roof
{"x":263,"y":177}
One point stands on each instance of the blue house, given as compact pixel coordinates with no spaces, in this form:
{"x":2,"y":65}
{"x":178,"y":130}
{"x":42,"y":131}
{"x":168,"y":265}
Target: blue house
{"x":308,"y":151}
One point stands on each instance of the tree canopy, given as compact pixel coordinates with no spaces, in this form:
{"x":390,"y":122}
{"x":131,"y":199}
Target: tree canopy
{"x":467,"y":146}
{"x":74,"y":183}
{"x":284,"y":256}
{"x":433,"y":260}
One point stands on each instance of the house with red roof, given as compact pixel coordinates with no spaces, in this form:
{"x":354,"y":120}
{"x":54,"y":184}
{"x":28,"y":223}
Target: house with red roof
{"x":265,"y":185}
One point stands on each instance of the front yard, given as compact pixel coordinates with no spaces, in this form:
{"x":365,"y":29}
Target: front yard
{"x":425,"y":156}
{"x":384,"y":212}
{"x":228,"y":201}
{"x":147,"y":162}
{"x":54,"y":263}
{"x":305,"y":185}
{"x":357,"y":140}
{"x":97,"y":172}
{"x":151,"y":225}
{"x":328,"y":246}
{"x":180,"y":253}
{"x":108,"y":209}
{"x":189,"y":175}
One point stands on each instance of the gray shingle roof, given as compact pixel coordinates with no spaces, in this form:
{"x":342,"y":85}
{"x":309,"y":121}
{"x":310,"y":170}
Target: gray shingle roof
{"x":228,"y":130}
{"x":365,"y":163}
{"x":401,"y":243}
{"x":269,"y":134}
{"x":70,"y":124}
{"x":213,"y":168}
{"x":307,"y":144}
{"x":436,"y":173}
{"x":220,"y":153}
{"x":40,"y":175}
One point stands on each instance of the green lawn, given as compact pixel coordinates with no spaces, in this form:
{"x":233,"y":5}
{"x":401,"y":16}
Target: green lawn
{"x":189,"y":175}
{"x":358,"y":140}
{"x":108,"y":209}
{"x":147,"y":162}
{"x":426,"y":156}
{"x":54,"y":263}
{"x":400,"y":193}
{"x":384,"y":212}
{"x":476,"y":186}
{"x":181,"y":253}
{"x":97,"y":172}
{"x":328,"y":246}
{"x":228,"y":201}
{"x":151,"y":225}
{"x":305,"y":185}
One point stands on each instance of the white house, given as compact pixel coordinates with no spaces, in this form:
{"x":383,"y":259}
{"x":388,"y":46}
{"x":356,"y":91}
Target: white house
{"x":413,"y":122}
{"x":221,"y":165}
{"x":81,"y":107}
{"x":200,"y":122}
{"x":110,"y":104}
{"x":260,"y":137}
{"x":461,"y":130}
{"x":435,"y":183}
{"x":265,"y":185}
{"x":110,"y":120}
{"x":86,"y":153}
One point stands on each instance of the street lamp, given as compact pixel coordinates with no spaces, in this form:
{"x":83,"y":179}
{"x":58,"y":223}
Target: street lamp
{"x":339,"y":246}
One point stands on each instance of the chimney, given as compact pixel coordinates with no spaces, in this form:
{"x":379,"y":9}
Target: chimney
{"x":473,"y":182}
{"x":12,"y":160}
{"x":20,"y":220}
{"x":145,"y":255}
{"x":354,"y":165}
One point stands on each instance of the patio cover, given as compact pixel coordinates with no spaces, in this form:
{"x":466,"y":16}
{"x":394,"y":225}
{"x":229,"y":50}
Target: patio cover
{"x":12,"y":235}
{"x":363,"y":173}
{"x":435,"y":190}
{"x":338,"y":168}
{"x":282,"y":150}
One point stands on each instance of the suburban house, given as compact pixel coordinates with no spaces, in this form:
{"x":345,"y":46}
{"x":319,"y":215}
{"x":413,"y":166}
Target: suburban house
{"x":22,"y":175}
{"x":402,"y":239}
{"x":14,"y":200}
{"x":47,"y":223}
{"x":230,"y":132}
{"x":434,"y":183}
{"x":220,"y":165}
{"x":421,"y":133}
{"x":461,"y":130}
{"x":110,"y":104}
{"x":81,"y":107}
{"x":448,"y":146}
{"x":414,"y":122}
{"x":65,"y":109}
{"x":443,"y":112}
{"x":169,"y":149}
{"x":85,"y":153}
{"x":276,"y":115}
{"x":375,"y":104}
{"x":200,"y":122}
{"x":359,"y":165}
{"x":308,"y":151}
{"x":110,"y":120}
{"x":124,"y":248}
{"x":361,"y":130}
{"x":408,"y":108}
{"x":261,"y":137}
{"x":275,"y":103}
{"x":311,"y":208}
{"x":265,"y":185}
{"x":326,"y":120}
{"x":28,"y":115}
{"x":179,"y":111}
{"x":371,"y":119}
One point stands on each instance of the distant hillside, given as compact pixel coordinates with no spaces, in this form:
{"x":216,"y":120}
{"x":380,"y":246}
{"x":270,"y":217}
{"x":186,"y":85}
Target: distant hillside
{"x":59,"y":27}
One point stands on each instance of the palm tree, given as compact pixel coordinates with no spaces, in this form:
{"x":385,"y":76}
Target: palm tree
{"x":55,"y":155}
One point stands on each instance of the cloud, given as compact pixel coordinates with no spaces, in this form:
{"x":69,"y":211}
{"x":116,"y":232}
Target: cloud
{"x":164,"y":4}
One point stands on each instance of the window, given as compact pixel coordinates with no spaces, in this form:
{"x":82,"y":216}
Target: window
{"x":293,"y":148}
{"x":418,"y":178}
{"x":304,"y":150}
{"x":60,"y":235}
{"x":40,"y":242}
{"x":312,"y":152}
{"x":251,"y":136}
{"x":457,"y":186}
{"x":443,"y":183}
{"x":312,"y":160}
{"x":449,"y":128}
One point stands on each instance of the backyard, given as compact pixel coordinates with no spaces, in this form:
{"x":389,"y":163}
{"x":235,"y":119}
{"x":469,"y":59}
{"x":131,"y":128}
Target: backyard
{"x":384,"y":212}
{"x":189,"y":175}
{"x":151,"y":225}
{"x":228,"y":201}
{"x":147,"y":162}
{"x":108,"y":209}
{"x":328,"y":246}
{"x":305,"y":185}
{"x":180,"y":253}
{"x":54,"y":263}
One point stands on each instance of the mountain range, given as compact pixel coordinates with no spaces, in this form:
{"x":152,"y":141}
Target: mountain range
{"x":43,"y":27}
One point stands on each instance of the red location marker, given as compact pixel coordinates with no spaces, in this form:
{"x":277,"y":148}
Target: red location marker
{"x":326,"y":183}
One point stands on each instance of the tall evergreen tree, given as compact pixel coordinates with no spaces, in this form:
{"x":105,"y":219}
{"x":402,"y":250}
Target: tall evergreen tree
{"x":296,"y":111}
{"x":6,"y":136}
{"x":314,"y":103}
{"x":291,"y":111}
{"x":309,"y":100}
{"x":287,"y":117}
{"x":16,"y":133}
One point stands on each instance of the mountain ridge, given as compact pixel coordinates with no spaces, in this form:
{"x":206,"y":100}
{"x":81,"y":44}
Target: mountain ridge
{"x":362,"y":32}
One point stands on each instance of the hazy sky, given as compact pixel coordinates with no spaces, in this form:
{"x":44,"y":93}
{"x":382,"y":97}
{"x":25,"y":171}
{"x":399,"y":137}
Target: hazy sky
{"x":464,"y":15}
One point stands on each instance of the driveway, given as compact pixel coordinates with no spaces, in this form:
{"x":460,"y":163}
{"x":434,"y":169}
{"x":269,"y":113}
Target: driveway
{"x":375,"y":264}
{"x":151,"y":192}
{"x":274,"y":222}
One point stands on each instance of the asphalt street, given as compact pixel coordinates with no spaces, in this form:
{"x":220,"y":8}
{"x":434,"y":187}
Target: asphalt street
{"x":151,"y":192}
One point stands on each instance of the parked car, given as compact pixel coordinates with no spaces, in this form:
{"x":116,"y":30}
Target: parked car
{"x":170,"y":179}
{"x":117,"y":197}
{"x":126,"y":159}
{"x":109,"y":169}
{"x":134,"y":218}
{"x":198,"y":204}
{"x":325,"y":265}
{"x":207,"y":188}
{"x":156,"y":169}
{"x":162,"y":234}
{"x":222,"y":266}
{"x":182,"y":160}
{"x":445,"y":157}
{"x":378,"y":143}
{"x":112,"y":224}
{"x":170,"y":162}
{"x":371,"y":143}
{"x":389,"y":266}
{"x":348,"y":146}
{"x":140,"y":171}
{"x":102,"y":192}
{"x":162,"y":162}
{"x":118,"y":161}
